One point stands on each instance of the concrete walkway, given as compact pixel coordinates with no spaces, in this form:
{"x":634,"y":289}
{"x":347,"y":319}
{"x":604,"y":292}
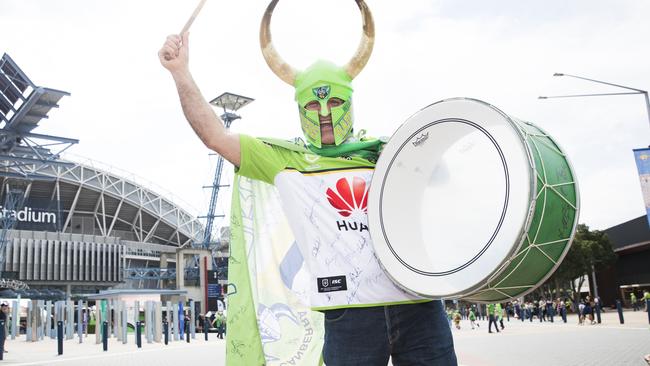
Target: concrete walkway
{"x":118,"y":354}
{"x":544,"y":344}
{"x":521,"y":343}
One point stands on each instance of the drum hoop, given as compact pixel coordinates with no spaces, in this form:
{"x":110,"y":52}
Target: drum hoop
{"x":503,"y":211}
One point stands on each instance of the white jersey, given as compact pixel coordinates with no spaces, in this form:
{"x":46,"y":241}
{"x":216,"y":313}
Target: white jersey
{"x":325,"y":201}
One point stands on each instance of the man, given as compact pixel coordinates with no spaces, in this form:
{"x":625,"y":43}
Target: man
{"x":322,"y":181}
{"x":549,"y":309}
{"x":220,"y":324}
{"x":457,"y":317}
{"x":581,"y":312}
{"x":498,"y":310}
{"x":633,"y":300}
{"x":562,"y":308}
{"x":492,"y":317}
{"x":472,"y":318}
{"x":4,"y":317}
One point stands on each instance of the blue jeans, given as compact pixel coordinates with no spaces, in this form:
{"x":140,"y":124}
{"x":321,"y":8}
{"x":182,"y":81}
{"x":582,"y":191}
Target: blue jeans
{"x":413,"y":334}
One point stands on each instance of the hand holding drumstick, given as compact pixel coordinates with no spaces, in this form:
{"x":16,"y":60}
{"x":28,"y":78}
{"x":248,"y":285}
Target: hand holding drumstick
{"x":174,"y":54}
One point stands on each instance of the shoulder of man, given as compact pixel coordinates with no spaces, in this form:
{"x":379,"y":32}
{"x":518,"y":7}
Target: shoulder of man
{"x":296,"y":144}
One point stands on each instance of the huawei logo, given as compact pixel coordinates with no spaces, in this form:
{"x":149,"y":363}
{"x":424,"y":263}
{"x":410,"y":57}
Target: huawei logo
{"x":349,"y":198}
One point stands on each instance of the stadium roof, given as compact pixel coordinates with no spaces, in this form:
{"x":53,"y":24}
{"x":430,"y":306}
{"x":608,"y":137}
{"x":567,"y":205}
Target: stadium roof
{"x":112,"y":205}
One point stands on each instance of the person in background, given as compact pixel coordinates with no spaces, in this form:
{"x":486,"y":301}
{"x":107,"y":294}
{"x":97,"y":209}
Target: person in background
{"x":561,"y":309}
{"x":541,"y":310}
{"x":549,"y":310}
{"x":517,"y":307}
{"x":4,"y":316}
{"x":491,"y":312}
{"x":581,"y":312}
{"x":457,"y":318}
{"x":220,"y":324}
{"x":499,"y":314}
{"x":633,"y":301}
{"x":569,"y":304}
{"x":472,"y":319}
{"x":589,"y":310}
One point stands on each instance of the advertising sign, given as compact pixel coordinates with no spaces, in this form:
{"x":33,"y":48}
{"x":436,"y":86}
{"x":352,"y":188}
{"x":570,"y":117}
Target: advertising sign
{"x":642,"y":158}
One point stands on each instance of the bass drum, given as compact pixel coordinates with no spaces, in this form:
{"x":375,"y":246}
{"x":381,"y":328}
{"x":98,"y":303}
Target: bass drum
{"x":467,"y":202}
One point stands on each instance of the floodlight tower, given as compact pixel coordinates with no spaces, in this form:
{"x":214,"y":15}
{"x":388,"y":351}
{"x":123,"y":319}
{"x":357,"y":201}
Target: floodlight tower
{"x":230,"y":103}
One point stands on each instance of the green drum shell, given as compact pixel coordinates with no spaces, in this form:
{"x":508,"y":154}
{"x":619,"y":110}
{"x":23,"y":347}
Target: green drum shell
{"x":549,"y":230}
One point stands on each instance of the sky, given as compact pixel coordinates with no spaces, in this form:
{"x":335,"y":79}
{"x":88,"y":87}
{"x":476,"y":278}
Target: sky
{"x":124,"y":108}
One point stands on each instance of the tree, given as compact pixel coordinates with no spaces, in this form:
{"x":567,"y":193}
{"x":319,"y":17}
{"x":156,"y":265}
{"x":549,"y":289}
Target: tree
{"x":591,"y":250}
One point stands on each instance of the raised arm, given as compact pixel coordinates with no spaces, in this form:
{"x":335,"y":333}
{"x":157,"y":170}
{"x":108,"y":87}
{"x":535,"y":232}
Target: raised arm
{"x":174,"y":56}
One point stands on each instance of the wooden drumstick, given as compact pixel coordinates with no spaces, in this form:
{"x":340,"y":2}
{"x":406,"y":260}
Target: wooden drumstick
{"x":191,"y":20}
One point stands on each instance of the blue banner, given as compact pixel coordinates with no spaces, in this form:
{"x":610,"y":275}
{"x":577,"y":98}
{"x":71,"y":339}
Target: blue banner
{"x":642,"y":158}
{"x":214,"y":290}
{"x":181,"y":318}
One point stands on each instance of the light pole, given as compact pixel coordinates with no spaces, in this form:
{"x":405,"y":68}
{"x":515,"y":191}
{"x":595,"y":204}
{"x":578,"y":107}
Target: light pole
{"x":230,"y":103}
{"x":634,"y":91}
{"x":647,"y":104}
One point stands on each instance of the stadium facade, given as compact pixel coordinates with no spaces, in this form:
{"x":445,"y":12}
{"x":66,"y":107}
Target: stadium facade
{"x":87,"y":229}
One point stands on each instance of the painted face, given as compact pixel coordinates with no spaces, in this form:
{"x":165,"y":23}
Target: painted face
{"x":324,"y":96}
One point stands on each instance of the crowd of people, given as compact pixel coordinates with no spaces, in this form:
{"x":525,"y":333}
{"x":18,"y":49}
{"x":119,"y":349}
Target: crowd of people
{"x":542,"y":310}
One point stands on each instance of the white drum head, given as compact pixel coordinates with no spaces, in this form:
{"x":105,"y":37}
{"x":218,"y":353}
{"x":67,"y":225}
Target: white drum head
{"x":450,"y":198}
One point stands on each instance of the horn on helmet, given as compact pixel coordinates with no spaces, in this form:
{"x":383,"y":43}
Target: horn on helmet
{"x":282,"y":69}
{"x":360,"y":58}
{"x":288,"y":74}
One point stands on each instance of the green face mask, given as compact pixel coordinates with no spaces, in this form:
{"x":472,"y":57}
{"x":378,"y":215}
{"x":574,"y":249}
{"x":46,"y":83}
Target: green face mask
{"x":321,"y":82}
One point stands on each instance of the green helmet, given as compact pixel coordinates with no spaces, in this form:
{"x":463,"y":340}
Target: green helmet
{"x":321,"y":82}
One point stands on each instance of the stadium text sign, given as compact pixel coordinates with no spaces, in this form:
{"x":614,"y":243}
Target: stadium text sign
{"x":30,"y":215}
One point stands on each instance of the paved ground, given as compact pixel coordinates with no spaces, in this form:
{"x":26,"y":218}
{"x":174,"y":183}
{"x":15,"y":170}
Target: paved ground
{"x":197,"y":352}
{"x":548,"y":344}
{"x":520,"y":343}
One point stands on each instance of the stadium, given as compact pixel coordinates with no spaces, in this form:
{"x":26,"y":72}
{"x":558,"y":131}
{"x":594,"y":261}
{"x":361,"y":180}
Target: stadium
{"x":85,"y":227}
{"x":74,"y":225}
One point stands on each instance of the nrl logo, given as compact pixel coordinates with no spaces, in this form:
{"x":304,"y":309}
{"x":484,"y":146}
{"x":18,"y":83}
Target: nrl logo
{"x":325,"y":282}
{"x":321,"y":92}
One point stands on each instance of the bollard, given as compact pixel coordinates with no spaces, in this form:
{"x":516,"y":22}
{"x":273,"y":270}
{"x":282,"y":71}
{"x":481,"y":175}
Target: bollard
{"x":105,"y":335}
{"x":206,"y":327}
{"x":59,"y":337}
{"x":620,"y":311}
{"x":138,"y":335}
{"x":2,"y":339}
{"x":166,"y":332}
{"x":598,"y":313}
{"x":80,"y":328}
{"x":187,"y":332}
